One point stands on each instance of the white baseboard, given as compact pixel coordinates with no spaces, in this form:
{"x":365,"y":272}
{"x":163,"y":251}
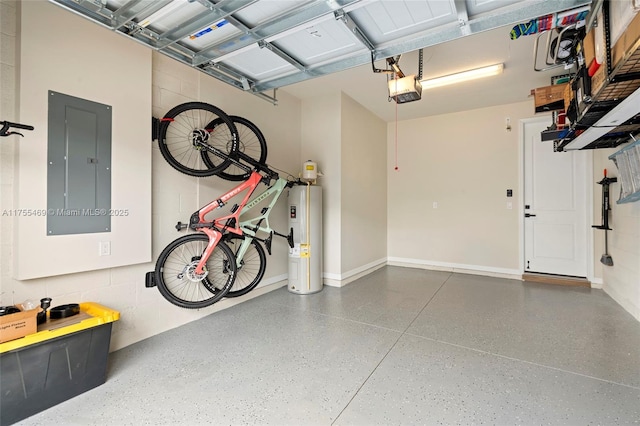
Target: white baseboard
{"x":513,"y":274}
{"x":623,"y":301}
{"x":340,"y":280}
{"x":278,"y":279}
{"x":596,"y":283}
{"x":265,"y":286}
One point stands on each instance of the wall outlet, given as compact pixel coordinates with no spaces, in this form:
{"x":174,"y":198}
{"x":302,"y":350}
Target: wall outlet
{"x":435,"y":204}
{"x":104,"y":248}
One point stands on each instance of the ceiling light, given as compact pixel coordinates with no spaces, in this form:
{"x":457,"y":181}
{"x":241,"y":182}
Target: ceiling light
{"x":459,"y":77}
{"x":163,"y":12}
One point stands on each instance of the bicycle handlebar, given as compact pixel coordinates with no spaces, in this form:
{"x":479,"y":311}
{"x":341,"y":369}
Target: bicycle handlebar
{"x":6,"y":125}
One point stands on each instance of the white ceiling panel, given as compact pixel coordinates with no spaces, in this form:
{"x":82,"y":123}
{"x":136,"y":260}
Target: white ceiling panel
{"x":259,"y":45}
{"x":258,"y":63}
{"x":385,"y":20}
{"x":476,"y":7}
{"x":172,"y":15}
{"x":119,"y":3}
{"x":319,"y":42}
{"x":262,"y":11}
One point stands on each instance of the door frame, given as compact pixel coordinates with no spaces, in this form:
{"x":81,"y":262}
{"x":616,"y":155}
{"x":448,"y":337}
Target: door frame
{"x":546,"y":119}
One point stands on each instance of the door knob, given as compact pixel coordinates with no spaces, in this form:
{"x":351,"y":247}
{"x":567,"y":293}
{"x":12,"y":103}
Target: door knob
{"x":529,"y":215}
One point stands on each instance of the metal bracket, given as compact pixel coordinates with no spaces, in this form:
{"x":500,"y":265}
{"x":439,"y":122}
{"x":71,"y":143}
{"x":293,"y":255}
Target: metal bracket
{"x":283,"y":55}
{"x":343,"y":16}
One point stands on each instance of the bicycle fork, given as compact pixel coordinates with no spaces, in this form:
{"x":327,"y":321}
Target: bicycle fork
{"x":242,"y":250}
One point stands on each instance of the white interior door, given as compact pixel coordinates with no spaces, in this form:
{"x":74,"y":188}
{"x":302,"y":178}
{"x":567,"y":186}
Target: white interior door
{"x":555,"y":223}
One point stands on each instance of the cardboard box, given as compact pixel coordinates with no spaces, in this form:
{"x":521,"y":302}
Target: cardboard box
{"x":627,"y":42}
{"x":598,"y":80}
{"x":589,"y":47}
{"x":20,"y":324}
{"x":568,"y":97}
{"x":549,"y":98}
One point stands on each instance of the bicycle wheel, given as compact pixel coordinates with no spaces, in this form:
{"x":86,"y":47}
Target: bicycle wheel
{"x":251,"y":141}
{"x":250,"y":268}
{"x":176,"y":277}
{"x":185,"y":128}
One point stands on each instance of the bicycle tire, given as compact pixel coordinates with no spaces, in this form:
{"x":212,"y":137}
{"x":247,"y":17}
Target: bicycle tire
{"x":187,"y":123}
{"x":251,"y":142}
{"x":252,"y":265}
{"x":177,"y":261}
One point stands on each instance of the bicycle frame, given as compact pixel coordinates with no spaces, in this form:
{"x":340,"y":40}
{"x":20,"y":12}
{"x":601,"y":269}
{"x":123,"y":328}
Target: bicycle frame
{"x":214,"y":230}
{"x":251,"y":227}
{"x":231,"y":222}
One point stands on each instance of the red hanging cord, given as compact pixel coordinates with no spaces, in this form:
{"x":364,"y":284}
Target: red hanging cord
{"x":396,"y":141}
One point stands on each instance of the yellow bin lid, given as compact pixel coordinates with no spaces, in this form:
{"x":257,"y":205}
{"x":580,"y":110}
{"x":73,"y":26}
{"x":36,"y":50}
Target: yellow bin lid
{"x":98,"y":315}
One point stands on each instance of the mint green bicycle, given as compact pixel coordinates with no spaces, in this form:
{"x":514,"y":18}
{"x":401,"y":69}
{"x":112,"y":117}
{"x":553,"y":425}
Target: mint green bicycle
{"x":223,"y":257}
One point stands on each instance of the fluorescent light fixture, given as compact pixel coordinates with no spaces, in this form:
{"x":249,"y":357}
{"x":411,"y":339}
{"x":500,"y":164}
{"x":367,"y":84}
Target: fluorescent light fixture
{"x":163,"y":12}
{"x":462,"y":76}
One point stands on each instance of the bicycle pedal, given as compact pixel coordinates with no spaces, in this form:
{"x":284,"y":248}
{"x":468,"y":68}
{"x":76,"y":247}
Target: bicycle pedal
{"x":150,"y":279}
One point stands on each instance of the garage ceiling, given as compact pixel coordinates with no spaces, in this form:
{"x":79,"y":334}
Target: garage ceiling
{"x":261,"y":45}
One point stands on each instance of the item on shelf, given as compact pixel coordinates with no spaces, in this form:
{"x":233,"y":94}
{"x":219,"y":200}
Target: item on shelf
{"x":549,"y":22}
{"x":64,"y":311}
{"x":8,"y":310}
{"x":549,"y":98}
{"x":45,"y":302}
{"x":599,"y":44}
{"x":627,"y":43}
{"x":584,"y":86}
{"x":568,"y":95}
{"x":16,"y":324}
{"x":30,"y":304}
{"x":599,"y":77}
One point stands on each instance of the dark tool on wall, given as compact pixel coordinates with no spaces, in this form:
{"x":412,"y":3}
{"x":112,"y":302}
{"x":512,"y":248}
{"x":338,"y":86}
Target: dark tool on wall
{"x":6,"y":125}
{"x":606,"y":259}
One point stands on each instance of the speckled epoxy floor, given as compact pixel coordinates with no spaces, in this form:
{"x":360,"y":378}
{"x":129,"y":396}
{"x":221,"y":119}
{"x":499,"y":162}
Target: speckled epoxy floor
{"x":399,"y":346}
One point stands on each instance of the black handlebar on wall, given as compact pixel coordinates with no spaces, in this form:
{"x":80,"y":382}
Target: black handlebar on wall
{"x":6,"y":125}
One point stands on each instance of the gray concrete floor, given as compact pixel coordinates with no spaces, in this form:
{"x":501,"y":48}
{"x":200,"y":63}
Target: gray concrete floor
{"x":399,"y":346}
